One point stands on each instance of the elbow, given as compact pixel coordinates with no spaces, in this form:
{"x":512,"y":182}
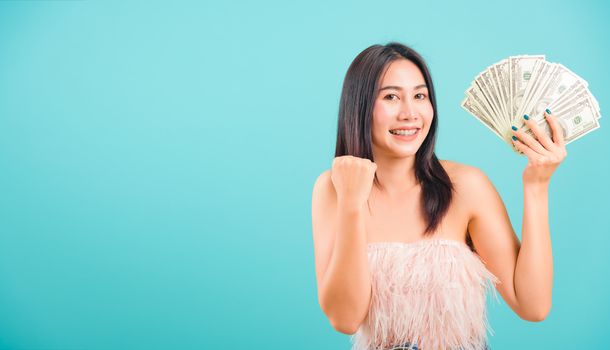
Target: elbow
{"x":348,"y":328}
{"x":534,"y":318}
{"x":341,"y":322}
{"x":345,"y":313}
{"x":536,"y":315}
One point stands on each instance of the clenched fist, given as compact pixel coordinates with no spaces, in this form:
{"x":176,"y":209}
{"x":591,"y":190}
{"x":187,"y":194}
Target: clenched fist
{"x":353,"y":179}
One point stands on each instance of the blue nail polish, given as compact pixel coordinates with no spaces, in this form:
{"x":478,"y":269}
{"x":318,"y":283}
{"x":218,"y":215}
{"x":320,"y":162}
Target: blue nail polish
{"x":526,"y":117}
{"x":548,"y":111}
{"x":514,"y":138}
{"x":514,"y":128}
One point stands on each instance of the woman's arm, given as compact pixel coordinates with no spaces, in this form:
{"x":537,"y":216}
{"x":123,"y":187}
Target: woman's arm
{"x":534,"y":268}
{"x":342,"y":272}
{"x":534,"y":271}
{"x":525,"y":269}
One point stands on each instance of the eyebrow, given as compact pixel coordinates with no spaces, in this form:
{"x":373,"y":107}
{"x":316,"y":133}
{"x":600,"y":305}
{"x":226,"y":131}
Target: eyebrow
{"x":399,"y":88}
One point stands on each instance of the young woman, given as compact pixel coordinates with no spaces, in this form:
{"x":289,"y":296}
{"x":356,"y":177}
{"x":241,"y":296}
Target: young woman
{"x":406,"y":245}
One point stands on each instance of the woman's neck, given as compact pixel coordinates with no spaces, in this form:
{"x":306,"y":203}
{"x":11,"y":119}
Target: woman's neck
{"x":396,"y":175}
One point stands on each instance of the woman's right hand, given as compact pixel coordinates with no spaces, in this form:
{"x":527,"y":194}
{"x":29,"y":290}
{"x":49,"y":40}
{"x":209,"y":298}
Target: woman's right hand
{"x":353,"y":179}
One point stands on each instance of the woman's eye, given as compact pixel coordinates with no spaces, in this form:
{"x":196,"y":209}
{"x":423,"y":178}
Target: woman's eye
{"x":386,"y":96}
{"x":420,"y":96}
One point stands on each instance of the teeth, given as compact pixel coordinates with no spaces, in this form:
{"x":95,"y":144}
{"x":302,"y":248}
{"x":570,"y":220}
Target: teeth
{"x":403,"y":132}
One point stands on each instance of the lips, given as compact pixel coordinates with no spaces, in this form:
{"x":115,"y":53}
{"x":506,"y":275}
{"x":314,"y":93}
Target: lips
{"x":406,"y":128}
{"x":406,"y":137}
{"x":414,"y":130}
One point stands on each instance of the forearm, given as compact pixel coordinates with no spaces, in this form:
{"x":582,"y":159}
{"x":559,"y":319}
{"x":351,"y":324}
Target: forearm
{"x":347,"y":283}
{"x":534,"y":268}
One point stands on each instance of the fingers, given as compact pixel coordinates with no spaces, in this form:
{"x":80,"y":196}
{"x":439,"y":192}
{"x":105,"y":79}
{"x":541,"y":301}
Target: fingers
{"x":542,"y":137}
{"x":541,"y":149}
{"x":531,"y":154}
{"x":557,"y":130}
{"x":528,"y":140}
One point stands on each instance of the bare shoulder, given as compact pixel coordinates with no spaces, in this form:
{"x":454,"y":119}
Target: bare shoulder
{"x":471,"y":185}
{"x":323,"y":178}
{"x":463,"y":175}
{"x":323,"y":189}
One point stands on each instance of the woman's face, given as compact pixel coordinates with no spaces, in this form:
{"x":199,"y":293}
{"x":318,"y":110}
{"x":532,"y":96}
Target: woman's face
{"x":402,"y":103}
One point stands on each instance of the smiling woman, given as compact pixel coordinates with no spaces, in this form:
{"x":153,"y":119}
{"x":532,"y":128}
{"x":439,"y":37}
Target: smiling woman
{"x":406,"y":245}
{"x":406,"y":89}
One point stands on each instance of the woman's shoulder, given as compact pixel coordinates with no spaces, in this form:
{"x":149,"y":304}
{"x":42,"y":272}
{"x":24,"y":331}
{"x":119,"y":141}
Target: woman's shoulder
{"x":457,"y":168}
{"x":472,"y":187}
{"x":323,"y":186}
{"x":463,"y":174}
{"x":323,"y":180}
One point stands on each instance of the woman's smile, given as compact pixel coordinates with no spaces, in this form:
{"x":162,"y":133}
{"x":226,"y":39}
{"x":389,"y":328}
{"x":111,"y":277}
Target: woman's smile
{"x":405,"y":135}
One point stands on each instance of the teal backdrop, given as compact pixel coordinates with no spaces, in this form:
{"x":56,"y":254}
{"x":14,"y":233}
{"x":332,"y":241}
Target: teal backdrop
{"x":157,"y":161}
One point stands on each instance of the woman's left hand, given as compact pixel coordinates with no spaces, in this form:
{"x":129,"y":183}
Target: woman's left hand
{"x":544,"y":154}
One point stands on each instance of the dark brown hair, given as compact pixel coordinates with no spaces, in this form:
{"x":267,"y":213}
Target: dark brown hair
{"x":360,"y":88}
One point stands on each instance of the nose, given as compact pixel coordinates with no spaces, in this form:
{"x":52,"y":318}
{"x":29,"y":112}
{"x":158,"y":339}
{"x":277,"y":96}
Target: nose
{"x":408,"y":111}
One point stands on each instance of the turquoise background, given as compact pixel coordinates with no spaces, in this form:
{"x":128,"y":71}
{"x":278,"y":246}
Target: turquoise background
{"x":157,"y":162}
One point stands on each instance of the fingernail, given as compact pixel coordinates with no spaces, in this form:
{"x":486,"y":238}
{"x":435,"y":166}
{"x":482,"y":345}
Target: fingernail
{"x":526,"y":117}
{"x":514,"y":128}
{"x":514,"y":138}
{"x":548,"y":111}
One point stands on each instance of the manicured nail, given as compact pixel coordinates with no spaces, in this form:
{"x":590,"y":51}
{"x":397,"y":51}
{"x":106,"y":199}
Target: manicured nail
{"x":548,"y":111}
{"x":526,"y":117}
{"x":514,"y":128}
{"x":514,"y":138}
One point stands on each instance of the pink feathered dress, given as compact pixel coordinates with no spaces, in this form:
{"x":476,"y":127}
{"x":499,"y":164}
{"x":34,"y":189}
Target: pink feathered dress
{"x":431,"y":293}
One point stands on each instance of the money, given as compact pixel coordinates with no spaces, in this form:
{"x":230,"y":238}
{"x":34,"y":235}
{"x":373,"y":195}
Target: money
{"x":528,"y":84}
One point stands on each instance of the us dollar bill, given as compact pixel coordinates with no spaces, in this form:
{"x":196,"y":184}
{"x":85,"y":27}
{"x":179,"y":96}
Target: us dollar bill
{"x":499,"y":96}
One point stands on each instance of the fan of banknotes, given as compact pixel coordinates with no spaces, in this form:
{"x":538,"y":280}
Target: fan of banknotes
{"x":503,"y":93}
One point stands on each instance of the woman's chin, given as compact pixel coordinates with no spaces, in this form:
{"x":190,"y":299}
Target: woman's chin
{"x":403,"y":152}
{"x":401,"y":149}
{"x":406,"y":149}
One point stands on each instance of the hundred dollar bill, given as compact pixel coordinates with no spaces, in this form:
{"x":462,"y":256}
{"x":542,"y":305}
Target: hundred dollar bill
{"x":501,"y":81}
{"x":482,"y":89}
{"x":471,"y":106}
{"x":575,"y":122}
{"x":500,"y":95}
{"x":477,"y":97}
{"x":540,"y":75}
{"x":520,"y":73}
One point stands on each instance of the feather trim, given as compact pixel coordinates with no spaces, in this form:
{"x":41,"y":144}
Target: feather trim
{"x":429,"y":294}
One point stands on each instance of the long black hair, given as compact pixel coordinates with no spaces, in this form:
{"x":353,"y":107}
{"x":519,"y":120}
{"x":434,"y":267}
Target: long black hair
{"x":360,"y":88}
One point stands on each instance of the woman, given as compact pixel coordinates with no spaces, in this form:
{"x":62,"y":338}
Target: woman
{"x":406,"y":245}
